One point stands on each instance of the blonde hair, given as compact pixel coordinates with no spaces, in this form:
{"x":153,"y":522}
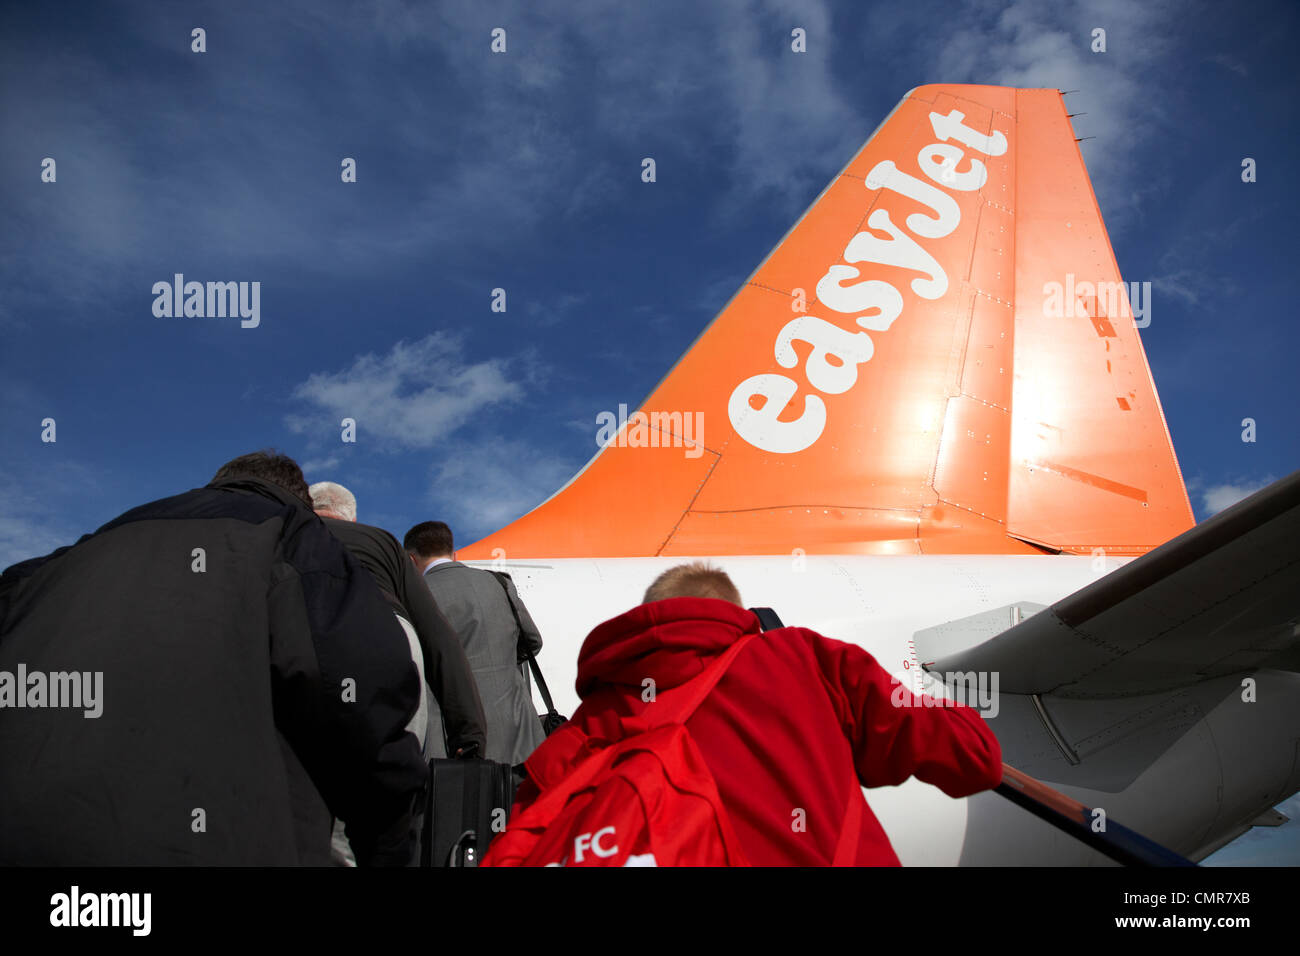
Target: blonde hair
{"x":698,"y":579}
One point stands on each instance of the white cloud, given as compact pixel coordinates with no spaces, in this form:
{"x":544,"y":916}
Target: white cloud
{"x":1230,"y":63}
{"x":27,"y":537}
{"x":488,"y":484}
{"x":525,"y":124}
{"x":556,"y":310}
{"x":31,"y":526}
{"x":1186,"y":284}
{"x":778,"y":98}
{"x":1048,"y":46}
{"x":316,"y":465}
{"x":647,"y":65}
{"x":413,"y":396}
{"x":1222,"y":496}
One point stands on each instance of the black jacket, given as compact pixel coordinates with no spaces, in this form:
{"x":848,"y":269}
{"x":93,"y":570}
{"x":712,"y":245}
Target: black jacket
{"x":249,"y":690}
{"x":445,"y":666}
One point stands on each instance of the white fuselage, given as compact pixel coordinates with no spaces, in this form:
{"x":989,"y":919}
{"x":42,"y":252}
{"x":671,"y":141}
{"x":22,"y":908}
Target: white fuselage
{"x":879,"y":603}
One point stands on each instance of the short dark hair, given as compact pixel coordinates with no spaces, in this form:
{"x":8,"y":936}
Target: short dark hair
{"x":429,"y":539}
{"x":693,"y":580}
{"x":269,"y":465}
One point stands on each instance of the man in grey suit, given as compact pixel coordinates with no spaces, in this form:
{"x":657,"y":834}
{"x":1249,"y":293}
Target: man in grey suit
{"x":498,"y":635}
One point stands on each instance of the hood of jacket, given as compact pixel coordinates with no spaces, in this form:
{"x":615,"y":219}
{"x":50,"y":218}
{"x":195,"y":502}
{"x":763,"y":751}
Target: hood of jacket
{"x":259,"y":486}
{"x":668,"y":641}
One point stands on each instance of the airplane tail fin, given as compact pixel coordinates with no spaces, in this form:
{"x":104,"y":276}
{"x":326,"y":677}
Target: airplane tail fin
{"x":939,"y":357}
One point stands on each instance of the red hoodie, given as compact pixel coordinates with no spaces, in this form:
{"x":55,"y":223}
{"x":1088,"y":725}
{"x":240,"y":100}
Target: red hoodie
{"x":781,"y":729}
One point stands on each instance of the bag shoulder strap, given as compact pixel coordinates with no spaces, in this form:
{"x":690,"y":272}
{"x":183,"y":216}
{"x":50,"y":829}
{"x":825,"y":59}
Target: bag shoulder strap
{"x":502,"y":578}
{"x":846,"y":850}
{"x":768,"y":619}
{"x":673,"y":707}
{"x":678,"y":704}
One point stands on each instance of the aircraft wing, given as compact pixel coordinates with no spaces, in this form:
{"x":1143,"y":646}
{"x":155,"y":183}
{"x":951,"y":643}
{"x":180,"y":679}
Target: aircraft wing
{"x":1219,"y":599}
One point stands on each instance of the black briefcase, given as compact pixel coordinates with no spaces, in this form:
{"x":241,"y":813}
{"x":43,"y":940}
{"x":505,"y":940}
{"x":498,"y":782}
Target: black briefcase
{"x":468,"y":804}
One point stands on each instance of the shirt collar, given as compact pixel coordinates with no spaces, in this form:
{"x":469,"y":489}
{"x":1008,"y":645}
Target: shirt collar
{"x":434,"y":563}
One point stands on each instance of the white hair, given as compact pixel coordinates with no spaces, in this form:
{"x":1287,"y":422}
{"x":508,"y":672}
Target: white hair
{"x":331,"y":496}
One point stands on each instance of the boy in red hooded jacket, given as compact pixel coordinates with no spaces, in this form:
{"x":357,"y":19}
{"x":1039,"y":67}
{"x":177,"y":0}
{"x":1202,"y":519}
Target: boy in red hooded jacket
{"x":780,"y":731}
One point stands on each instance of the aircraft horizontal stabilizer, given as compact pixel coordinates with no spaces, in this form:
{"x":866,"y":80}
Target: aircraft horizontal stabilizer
{"x":1219,"y":599}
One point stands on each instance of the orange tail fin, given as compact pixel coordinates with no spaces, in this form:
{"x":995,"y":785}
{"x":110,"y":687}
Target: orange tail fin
{"x":935,"y":359}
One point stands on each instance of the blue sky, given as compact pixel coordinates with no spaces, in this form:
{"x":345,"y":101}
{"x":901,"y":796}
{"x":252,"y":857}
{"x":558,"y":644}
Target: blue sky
{"x":521,"y":171}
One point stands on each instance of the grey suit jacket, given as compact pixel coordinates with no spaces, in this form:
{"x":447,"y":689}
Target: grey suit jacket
{"x":476,"y":605}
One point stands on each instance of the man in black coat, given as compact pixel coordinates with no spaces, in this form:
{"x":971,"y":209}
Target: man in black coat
{"x":251,"y":680}
{"x":440,"y":654}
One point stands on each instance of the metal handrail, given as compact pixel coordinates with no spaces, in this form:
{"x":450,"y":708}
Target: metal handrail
{"x":1116,"y":840}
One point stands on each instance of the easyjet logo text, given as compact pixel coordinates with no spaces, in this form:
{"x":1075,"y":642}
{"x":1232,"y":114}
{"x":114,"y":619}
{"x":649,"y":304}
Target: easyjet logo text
{"x":832,"y":364}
